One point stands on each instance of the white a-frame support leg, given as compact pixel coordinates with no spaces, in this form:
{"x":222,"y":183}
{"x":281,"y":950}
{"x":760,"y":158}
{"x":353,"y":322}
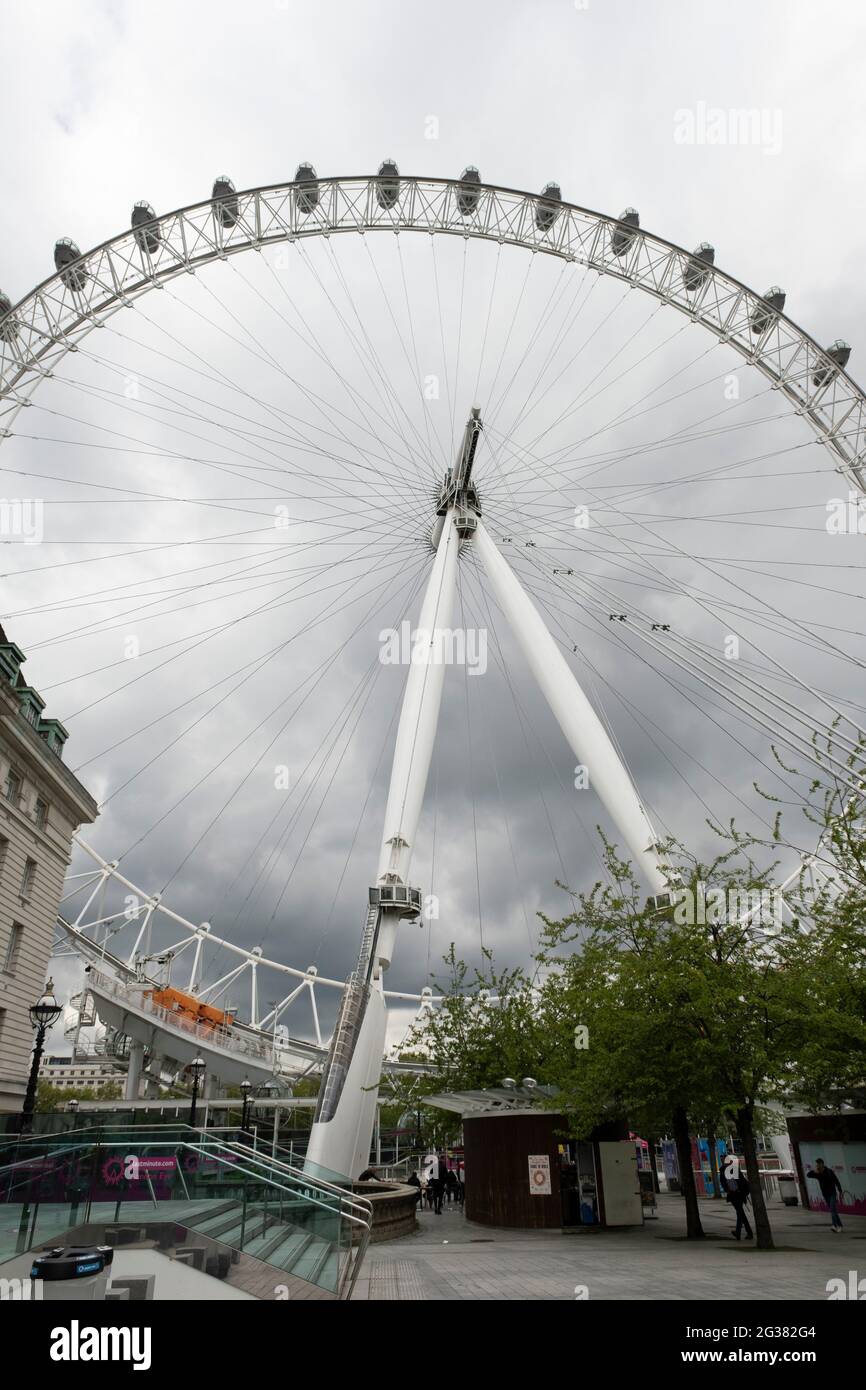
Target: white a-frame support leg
{"x":581,"y":725}
{"x":343,"y":1126}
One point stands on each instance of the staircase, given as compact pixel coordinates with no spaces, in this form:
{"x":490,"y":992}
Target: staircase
{"x":250,"y":1204}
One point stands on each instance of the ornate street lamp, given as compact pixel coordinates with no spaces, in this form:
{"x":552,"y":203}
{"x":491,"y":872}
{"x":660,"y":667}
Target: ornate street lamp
{"x":42,"y":1014}
{"x":198,"y":1065}
{"x":246,"y":1088}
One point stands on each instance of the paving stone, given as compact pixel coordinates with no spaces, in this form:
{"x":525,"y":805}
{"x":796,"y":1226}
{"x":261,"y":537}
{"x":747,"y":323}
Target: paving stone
{"x":449,"y":1258}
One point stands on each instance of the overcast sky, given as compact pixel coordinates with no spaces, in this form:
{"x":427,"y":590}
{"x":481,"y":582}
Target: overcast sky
{"x":268,"y":381}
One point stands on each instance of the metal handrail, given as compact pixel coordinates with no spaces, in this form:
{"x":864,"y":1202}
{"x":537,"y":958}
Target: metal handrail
{"x":354,"y":1209}
{"x":262,"y":1171}
{"x":296,"y":1175}
{"x":89,"y":1129}
{"x":353,"y":1263}
{"x":22,"y":1162}
{"x":363,"y":1203}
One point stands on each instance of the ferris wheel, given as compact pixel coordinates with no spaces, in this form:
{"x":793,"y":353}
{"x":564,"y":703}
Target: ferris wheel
{"x":476,"y":447}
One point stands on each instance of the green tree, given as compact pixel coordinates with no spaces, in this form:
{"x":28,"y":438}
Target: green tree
{"x":49,"y":1098}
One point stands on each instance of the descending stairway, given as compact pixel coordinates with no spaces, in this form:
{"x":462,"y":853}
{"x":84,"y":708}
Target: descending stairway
{"x":305,"y":1226}
{"x":267,"y":1237}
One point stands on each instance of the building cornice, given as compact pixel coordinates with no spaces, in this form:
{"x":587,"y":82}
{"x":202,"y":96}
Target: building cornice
{"x":81,"y":806}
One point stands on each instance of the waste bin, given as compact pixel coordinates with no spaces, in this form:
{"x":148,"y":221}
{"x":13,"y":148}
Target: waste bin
{"x":76,"y":1273}
{"x":788,"y":1188}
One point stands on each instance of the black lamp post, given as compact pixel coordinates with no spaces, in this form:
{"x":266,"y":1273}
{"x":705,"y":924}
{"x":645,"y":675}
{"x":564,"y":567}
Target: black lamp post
{"x":246,"y":1088}
{"x":198,"y":1066}
{"x":42,"y":1014}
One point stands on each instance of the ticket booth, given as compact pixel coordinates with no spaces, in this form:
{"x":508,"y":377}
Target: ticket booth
{"x":522,"y":1172}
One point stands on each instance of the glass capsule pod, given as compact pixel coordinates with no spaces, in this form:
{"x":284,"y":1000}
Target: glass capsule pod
{"x":547,"y":211}
{"x":387,"y":184}
{"x":307,"y":189}
{"x":468,"y":191}
{"x":838,"y":352}
{"x":74,"y":277}
{"x":697,"y":267}
{"x":621,"y":237}
{"x":767,"y":310}
{"x":147,"y":237}
{"x":225,"y":199}
{"x":8,"y":324}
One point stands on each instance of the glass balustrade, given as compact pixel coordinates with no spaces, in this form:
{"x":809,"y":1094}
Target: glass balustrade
{"x":213,"y":1199}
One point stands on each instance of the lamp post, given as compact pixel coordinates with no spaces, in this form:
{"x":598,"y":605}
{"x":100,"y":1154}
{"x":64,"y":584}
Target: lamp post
{"x":42,"y":1014}
{"x":246,"y":1088}
{"x":271,"y":1090}
{"x":198,"y":1065}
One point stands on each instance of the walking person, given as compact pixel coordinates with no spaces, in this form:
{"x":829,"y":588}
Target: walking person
{"x":439,"y":1183}
{"x":737,"y":1192}
{"x":413,"y":1180}
{"x":451,"y":1186}
{"x":831,"y":1191}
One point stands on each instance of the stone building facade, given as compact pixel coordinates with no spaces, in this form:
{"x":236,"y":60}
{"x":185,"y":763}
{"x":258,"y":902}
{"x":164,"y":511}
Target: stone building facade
{"x":41,"y":806}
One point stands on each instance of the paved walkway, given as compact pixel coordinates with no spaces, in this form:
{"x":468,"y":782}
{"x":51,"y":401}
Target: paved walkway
{"x":451,"y":1258}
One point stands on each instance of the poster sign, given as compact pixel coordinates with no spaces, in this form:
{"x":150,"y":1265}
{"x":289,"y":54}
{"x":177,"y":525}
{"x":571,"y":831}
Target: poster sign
{"x":150,"y":1166}
{"x":848,"y":1162}
{"x":539,"y":1174}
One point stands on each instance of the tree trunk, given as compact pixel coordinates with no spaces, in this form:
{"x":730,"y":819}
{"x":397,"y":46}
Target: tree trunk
{"x":714,"y":1160}
{"x":763,"y":1232}
{"x":680,"y":1124}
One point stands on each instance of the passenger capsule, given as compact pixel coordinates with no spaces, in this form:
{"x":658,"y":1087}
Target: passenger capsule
{"x":225,"y":199}
{"x":770,"y":306}
{"x":387,"y":184}
{"x":838,"y":352}
{"x":546,"y":212}
{"x":621,"y":237}
{"x":697,"y":267}
{"x":468,"y":191}
{"x":65,"y":254}
{"x":307,"y":192}
{"x":147,"y":237}
{"x":8,"y":324}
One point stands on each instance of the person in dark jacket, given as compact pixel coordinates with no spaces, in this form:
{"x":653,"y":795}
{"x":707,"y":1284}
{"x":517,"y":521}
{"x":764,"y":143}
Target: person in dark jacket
{"x":831,"y":1190}
{"x":413,"y":1180}
{"x":737,"y":1192}
{"x":438,"y":1184}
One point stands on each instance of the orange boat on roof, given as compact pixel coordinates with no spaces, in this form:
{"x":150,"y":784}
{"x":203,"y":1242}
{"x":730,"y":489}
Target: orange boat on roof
{"x":176,"y":1001}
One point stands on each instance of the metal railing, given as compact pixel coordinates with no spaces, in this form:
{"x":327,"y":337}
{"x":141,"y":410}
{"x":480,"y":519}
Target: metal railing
{"x":352,"y":1214}
{"x":355,"y":1209}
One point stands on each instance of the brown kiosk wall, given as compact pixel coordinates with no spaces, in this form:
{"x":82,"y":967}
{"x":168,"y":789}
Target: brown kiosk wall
{"x":497,"y":1148}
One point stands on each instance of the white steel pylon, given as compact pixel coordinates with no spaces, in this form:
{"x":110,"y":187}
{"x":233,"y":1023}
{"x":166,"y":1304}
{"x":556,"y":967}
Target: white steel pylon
{"x":343,"y":1125}
{"x":342,"y":1129}
{"x":576,"y":717}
